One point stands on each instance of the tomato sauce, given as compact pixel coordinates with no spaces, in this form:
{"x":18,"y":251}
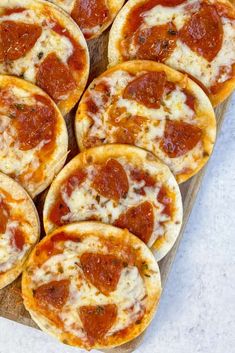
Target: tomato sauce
{"x":4,"y":216}
{"x":77,"y":60}
{"x":131,"y":30}
{"x":165,"y":198}
{"x":18,"y":238}
{"x":139,"y":175}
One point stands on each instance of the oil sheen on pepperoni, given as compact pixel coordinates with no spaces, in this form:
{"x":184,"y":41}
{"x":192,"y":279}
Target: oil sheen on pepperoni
{"x":111,"y":180}
{"x":54,"y":293}
{"x":55,"y":77}
{"x":203,"y":33}
{"x":103,"y":271}
{"x":97,"y":320}
{"x":90,"y":13}
{"x":155,"y":43}
{"x":147,"y":89}
{"x":17,"y":38}
{"x":179,"y":138}
{"x":34,"y":124}
{"x":4,"y":215}
{"x":128,"y":129}
{"x":138,"y":220}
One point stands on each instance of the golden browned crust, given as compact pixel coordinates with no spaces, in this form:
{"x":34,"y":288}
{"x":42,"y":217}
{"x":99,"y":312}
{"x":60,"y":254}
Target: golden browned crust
{"x":152,"y":284}
{"x":205,"y":116}
{"x":138,"y":157}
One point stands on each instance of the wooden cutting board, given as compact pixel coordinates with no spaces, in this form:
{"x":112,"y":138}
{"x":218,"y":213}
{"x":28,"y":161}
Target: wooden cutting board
{"x":11,"y":305}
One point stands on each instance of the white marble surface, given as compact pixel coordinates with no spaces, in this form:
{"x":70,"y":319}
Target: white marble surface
{"x":197,"y":310}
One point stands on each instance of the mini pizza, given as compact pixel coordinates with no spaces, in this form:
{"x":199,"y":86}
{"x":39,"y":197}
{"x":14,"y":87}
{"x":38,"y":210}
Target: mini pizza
{"x":40,"y":43}
{"x":19,"y":229}
{"x":91,"y":285}
{"x":92,"y":16}
{"x":120,"y":185}
{"x":33,"y":135}
{"x":192,"y":36}
{"x":152,"y":106}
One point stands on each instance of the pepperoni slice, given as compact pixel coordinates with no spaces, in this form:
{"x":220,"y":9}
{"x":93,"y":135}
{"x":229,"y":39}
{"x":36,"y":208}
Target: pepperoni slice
{"x":97,"y":320}
{"x":55,"y":77}
{"x":58,"y":210}
{"x":164,"y":198}
{"x":34,"y":123}
{"x":103,"y":271}
{"x":203,"y":33}
{"x":179,"y":138}
{"x":17,"y":38}
{"x":18,"y":238}
{"x":74,"y":181}
{"x":111,"y":180}
{"x":90,"y":13}
{"x":54,"y":293}
{"x":147,"y":89}
{"x":91,"y":106}
{"x":155,"y":43}
{"x":138,"y":220}
{"x":4,"y":215}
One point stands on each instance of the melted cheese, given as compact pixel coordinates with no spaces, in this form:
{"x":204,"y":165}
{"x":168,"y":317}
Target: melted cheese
{"x":13,"y":160}
{"x":129,"y":295}
{"x":160,"y":15}
{"x":48,"y":42}
{"x":9,"y":253}
{"x":183,"y":58}
{"x":85,"y":202}
{"x":174,"y":107}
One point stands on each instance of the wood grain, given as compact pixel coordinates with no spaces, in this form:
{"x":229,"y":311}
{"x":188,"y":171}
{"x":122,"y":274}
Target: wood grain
{"x":11,"y":306}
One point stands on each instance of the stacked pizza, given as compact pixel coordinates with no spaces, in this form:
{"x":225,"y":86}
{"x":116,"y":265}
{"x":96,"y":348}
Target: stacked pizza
{"x":142,"y":128}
